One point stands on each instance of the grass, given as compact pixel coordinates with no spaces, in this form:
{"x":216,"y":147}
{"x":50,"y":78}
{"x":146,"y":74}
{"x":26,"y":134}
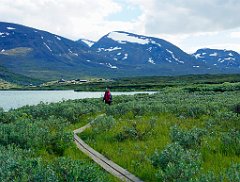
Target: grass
{"x":184,"y":132}
{"x":131,"y":142}
{"x":125,"y":153}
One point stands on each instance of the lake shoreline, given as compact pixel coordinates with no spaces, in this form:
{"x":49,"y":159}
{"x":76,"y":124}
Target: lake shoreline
{"x":14,"y":99}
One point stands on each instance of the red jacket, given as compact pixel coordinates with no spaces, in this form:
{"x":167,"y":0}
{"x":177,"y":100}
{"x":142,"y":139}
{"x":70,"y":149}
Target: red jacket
{"x":107,"y":96}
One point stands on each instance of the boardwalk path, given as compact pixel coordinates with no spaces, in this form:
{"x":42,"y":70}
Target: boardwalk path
{"x":105,"y":163}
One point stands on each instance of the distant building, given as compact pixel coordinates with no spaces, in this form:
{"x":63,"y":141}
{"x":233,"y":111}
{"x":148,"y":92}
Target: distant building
{"x":83,"y":81}
{"x":62,"y":81}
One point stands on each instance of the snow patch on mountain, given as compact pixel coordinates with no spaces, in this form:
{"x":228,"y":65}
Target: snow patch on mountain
{"x":10,"y":28}
{"x":154,"y":42}
{"x":150,"y":60}
{"x":69,"y":50}
{"x":111,"y":66}
{"x":113,"y":49}
{"x":109,"y":49}
{"x":173,"y":56}
{"x":168,"y":60}
{"x":47,"y":47}
{"x":88,"y":42}
{"x":125,"y":56}
{"x":213,"y":54}
{"x":229,"y":59}
{"x":3,"y":34}
{"x":123,"y":38}
{"x":58,"y":38}
{"x":197,"y":56}
{"x":220,"y":60}
{"x":149,"y":49}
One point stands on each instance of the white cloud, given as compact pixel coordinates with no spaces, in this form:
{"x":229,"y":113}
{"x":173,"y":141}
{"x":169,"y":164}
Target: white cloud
{"x":188,"y":16}
{"x":72,"y":18}
{"x":189,"y":24}
{"x":235,"y":34}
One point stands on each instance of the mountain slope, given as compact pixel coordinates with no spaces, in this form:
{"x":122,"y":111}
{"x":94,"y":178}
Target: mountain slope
{"x":46,"y":56}
{"x":222,"y":59}
{"x":145,"y":55}
{"x":10,"y":77}
{"x":38,"y":53}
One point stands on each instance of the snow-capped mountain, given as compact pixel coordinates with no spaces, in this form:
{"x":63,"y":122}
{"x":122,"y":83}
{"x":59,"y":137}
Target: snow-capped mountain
{"x":223,"y":59}
{"x":13,"y":36}
{"x":87,"y":42}
{"x":40,"y":54}
{"x":138,"y":49}
{"x":146,"y":55}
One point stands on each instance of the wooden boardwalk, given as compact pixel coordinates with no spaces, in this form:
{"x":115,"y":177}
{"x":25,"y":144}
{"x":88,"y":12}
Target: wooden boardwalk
{"x":105,"y":163}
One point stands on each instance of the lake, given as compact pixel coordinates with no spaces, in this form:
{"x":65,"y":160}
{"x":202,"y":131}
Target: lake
{"x":16,"y":99}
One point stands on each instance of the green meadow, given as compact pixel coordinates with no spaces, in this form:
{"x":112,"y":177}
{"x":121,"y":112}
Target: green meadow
{"x":186,"y":132}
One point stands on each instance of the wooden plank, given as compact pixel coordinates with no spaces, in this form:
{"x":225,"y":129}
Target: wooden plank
{"x":105,"y":163}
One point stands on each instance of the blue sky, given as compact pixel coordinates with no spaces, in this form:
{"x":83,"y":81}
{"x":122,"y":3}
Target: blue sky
{"x":127,"y":12}
{"x":189,"y":24}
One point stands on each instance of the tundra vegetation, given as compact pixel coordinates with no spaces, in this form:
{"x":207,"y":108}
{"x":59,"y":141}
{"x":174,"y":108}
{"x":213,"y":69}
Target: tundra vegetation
{"x":185,"y":133}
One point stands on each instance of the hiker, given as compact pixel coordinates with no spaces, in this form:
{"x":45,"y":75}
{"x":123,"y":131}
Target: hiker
{"x":107,"y":97}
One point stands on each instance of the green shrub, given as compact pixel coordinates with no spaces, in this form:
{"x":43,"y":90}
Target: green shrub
{"x":37,"y":134}
{"x":187,"y":139}
{"x":76,"y":170}
{"x":136,"y":133}
{"x":233,"y":173}
{"x":176,"y":164}
{"x":103,"y":124}
{"x":7,"y":117}
{"x":209,"y":177}
{"x":231,"y":142}
{"x":18,"y":165}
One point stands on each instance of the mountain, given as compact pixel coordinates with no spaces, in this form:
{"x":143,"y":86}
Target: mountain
{"x":42,"y":55}
{"x":87,"y":42}
{"x":145,"y":55}
{"x":8,"y":76}
{"x":220,"y":59}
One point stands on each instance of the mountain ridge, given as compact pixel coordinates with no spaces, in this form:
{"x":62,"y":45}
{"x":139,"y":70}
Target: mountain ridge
{"x":43,"y":55}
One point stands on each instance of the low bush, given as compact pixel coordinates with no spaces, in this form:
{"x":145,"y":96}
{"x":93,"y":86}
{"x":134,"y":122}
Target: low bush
{"x":48,"y":134}
{"x":137,"y":133}
{"x":19,"y":165}
{"x":176,"y":164}
{"x":231,"y":143}
{"x":209,"y":177}
{"x":233,"y":173}
{"x":187,"y":139}
{"x":103,"y":124}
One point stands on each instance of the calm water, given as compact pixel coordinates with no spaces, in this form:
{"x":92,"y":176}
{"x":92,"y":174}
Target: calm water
{"x":16,"y":99}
